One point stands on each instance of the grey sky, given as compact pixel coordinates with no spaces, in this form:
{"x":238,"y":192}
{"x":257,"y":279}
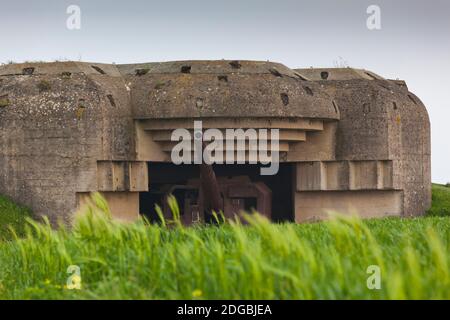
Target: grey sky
{"x":413,"y":44}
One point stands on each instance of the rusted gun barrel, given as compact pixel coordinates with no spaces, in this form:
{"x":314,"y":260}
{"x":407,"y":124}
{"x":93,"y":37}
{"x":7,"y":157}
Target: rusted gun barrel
{"x":210,"y":187}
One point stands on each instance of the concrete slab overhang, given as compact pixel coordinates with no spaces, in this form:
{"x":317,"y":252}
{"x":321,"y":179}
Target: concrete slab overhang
{"x":186,"y":89}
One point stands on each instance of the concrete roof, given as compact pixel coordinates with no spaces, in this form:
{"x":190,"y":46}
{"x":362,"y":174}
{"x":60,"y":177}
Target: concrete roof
{"x":57,"y":68}
{"x":190,"y":89}
{"x":223,"y":89}
{"x":315,"y":74}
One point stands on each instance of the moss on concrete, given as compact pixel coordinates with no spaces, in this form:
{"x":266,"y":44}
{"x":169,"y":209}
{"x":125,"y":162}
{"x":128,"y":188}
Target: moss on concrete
{"x":4,"y":102}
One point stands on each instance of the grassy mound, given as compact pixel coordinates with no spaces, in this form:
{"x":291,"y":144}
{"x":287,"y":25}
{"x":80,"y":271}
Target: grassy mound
{"x":328,"y":260}
{"x":440,"y":201}
{"x":11,"y":215}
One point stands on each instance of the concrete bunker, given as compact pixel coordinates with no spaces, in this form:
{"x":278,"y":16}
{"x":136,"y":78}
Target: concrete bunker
{"x":349,"y":140}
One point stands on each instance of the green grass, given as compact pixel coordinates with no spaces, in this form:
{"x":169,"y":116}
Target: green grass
{"x":11,"y":215}
{"x":327,"y":260}
{"x":440,"y":201}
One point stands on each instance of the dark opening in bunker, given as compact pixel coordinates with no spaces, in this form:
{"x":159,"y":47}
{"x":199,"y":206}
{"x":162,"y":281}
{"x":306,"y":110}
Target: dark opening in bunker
{"x":284,"y":98}
{"x":239,"y":184}
{"x":186,"y":69}
{"x":222,"y":78}
{"x":142,"y":72}
{"x":27,"y":71}
{"x":235,"y":64}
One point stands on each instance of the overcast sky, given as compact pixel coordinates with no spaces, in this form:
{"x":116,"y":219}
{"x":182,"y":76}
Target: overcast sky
{"x":413,"y":43}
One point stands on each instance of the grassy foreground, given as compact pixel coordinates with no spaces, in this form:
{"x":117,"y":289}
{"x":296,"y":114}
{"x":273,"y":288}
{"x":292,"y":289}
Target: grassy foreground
{"x":12,"y":215}
{"x":257,"y":261}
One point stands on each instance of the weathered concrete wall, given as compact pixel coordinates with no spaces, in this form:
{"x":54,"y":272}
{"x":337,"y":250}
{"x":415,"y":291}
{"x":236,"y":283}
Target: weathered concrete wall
{"x":56,"y":124}
{"x":381,"y":119}
{"x":414,"y":153}
{"x":316,"y":205}
{"x":124,"y":206}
